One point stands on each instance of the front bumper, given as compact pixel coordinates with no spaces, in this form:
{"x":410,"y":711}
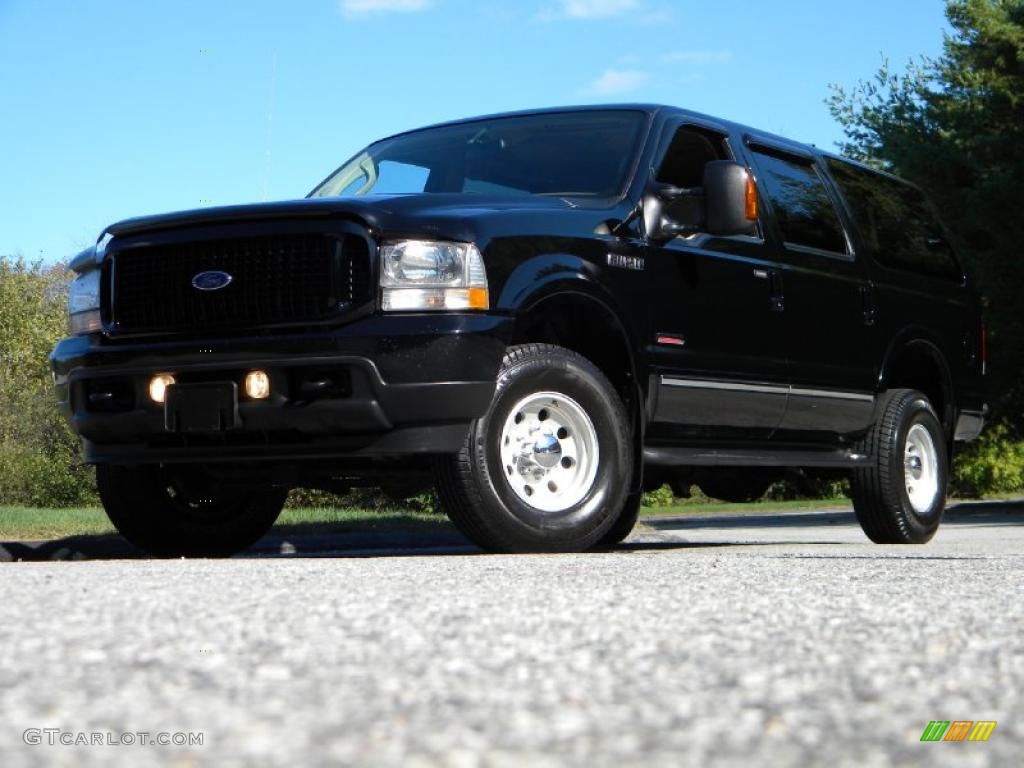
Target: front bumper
{"x":396,"y":385}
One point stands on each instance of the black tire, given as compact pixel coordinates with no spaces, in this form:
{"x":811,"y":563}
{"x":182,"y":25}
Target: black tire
{"x":473,"y":485}
{"x":624,"y":523}
{"x":880,"y":494}
{"x":161,"y":514}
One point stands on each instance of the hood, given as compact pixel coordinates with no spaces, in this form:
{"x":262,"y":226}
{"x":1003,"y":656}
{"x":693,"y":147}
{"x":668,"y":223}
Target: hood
{"x":466,"y":218}
{"x":395,"y":212}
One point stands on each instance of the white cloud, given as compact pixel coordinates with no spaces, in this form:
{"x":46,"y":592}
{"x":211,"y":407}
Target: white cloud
{"x":630,"y":11}
{"x":366,"y":7}
{"x":614,"y":81}
{"x":662,"y":15}
{"x":597,"y":9}
{"x":698,"y":57}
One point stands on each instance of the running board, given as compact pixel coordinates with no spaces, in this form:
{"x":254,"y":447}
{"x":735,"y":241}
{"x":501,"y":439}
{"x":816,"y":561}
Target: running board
{"x":670,"y":456}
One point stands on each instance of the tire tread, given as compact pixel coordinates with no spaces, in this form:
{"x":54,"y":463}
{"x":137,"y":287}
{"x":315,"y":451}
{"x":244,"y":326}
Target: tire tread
{"x":134,"y":504}
{"x":455,"y":474}
{"x":875,"y":491}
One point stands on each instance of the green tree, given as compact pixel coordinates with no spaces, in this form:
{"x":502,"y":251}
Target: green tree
{"x":39,"y":457}
{"x":955,"y":126}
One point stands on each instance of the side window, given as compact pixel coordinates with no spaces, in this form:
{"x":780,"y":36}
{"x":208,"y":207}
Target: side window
{"x":897,"y":227}
{"x":400,"y":178}
{"x":691,"y":149}
{"x":355,"y":185}
{"x":803,"y":208}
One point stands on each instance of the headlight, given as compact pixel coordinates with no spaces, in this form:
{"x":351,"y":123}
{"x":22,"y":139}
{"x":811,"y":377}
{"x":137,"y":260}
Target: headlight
{"x":84,"y":304}
{"x":420,"y":275}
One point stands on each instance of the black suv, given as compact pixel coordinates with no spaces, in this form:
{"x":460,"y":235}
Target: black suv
{"x":541,"y":313}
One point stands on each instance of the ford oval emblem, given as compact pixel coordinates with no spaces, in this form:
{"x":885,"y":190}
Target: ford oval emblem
{"x":214,"y":280}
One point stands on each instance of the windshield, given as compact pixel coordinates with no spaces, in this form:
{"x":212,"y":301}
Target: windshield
{"x":587,"y":154}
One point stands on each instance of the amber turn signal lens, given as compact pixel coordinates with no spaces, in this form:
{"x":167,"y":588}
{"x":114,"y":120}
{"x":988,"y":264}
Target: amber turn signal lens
{"x":158,"y":387}
{"x":479,"y":298}
{"x":257,"y":385}
{"x":751,"y":198}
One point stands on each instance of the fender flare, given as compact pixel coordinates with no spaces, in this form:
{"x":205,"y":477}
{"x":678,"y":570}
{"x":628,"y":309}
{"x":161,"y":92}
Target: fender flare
{"x":917,"y":339}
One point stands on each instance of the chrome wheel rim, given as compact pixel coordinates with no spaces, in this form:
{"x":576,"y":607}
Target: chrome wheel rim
{"x":921,"y":469}
{"x":549,"y":451}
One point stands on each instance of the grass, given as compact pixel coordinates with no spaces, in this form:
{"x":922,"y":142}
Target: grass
{"x":705,"y":507}
{"x":347,"y":520}
{"x":27,"y":523}
{"x":24,"y":523}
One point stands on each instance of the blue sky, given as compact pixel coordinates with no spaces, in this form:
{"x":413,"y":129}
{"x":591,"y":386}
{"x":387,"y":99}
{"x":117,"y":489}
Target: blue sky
{"x":111,"y":109}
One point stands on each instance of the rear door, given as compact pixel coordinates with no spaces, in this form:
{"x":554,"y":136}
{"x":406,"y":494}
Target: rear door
{"x":718,"y":348}
{"x":921,"y":291}
{"x":830,"y":318}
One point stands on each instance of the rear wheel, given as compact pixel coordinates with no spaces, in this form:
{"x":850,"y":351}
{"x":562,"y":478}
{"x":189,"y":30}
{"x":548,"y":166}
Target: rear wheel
{"x":168,"y":513}
{"x":547,"y":468}
{"x":900,"y":497}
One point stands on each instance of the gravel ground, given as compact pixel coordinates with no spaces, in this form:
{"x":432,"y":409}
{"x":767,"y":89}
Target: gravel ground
{"x":778,"y":640}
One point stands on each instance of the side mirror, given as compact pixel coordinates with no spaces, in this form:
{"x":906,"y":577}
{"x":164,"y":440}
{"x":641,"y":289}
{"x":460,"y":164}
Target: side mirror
{"x":726,"y":205}
{"x":730,"y":199}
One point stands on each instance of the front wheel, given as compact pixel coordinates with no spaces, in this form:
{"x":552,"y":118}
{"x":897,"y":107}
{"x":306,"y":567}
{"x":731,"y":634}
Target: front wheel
{"x":547,"y":468}
{"x":900,"y":496}
{"x":174,"y":514}
{"x":624,"y":524}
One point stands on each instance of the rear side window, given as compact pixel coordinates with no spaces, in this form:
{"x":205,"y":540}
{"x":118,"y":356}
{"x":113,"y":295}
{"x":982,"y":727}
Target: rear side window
{"x":803,"y":208}
{"x":897,"y":227}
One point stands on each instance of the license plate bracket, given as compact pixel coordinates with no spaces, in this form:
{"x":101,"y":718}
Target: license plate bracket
{"x":205,"y":407}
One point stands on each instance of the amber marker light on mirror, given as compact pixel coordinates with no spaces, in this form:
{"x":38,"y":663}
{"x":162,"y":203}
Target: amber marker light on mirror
{"x":158,"y":387}
{"x":751,"y":208}
{"x":257,"y":385}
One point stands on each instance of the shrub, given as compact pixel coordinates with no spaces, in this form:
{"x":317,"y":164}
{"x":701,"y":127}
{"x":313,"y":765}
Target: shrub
{"x":39,"y":457}
{"x":31,"y":478}
{"x":660,"y":497}
{"x":371,"y":499}
{"x":797,"y":486}
{"x":993,"y":464}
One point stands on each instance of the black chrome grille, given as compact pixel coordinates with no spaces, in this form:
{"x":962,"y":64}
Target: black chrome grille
{"x":275,"y":280}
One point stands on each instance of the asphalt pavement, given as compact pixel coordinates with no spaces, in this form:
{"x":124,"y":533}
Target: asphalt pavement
{"x":757,"y":640}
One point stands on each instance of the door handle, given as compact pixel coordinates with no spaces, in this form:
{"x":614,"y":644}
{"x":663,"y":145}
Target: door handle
{"x":776,"y":294}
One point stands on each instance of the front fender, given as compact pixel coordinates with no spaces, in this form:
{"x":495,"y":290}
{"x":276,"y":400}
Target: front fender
{"x":543,"y":277}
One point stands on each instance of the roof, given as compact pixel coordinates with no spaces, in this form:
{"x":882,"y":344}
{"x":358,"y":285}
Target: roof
{"x":756,"y":134}
{"x":651,"y":109}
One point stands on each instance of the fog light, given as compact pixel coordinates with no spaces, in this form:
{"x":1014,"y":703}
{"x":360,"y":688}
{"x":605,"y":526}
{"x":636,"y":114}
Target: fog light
{"x":257,"y":385}
{"x":158,"y":387}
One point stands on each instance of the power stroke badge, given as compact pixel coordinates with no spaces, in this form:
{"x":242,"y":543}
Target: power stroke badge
{"x":626,"y":262}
